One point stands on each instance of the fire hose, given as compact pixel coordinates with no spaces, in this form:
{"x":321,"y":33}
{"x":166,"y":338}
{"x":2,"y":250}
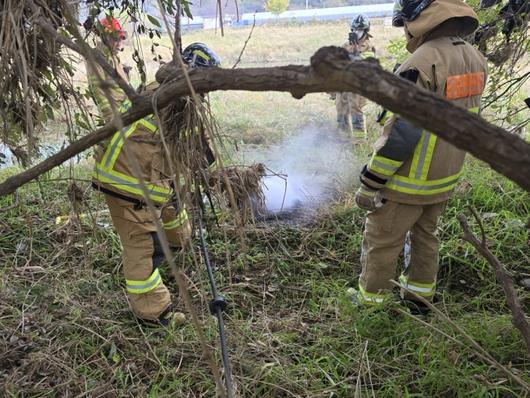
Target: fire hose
{"x":217,"y":305}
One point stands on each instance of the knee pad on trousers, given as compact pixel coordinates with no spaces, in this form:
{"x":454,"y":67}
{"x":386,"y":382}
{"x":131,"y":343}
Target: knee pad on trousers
{"x":158,"y":253}
{"x":177,"y":227}
{"x":357,"y":122}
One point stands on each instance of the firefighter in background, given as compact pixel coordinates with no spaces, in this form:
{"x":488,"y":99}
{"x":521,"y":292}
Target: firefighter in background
{"x":134,"y":149}
{"x":412,"y":173}
{"x":349,"y":105}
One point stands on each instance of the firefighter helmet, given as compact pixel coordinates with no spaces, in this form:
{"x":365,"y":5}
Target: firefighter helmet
{"x":360,"y":22}
{"x":112,"y":28}
{"x":199,"y":55}
{"x":408,"y":10}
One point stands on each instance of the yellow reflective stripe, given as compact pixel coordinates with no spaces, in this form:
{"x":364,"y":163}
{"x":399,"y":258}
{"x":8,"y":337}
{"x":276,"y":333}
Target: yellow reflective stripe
{"x":387,"y":161}
{"x":367,"y":54}
{"x":369,"y":193}
{"x":421,"y":161}
{"x":181,"y":218}
{"x":116,"y":144}
{"x":416,"y":156}
{"x":419,"y":187}
{"x":131,"y":185}
{"x":384,"y":166}
{"x":202,"y":54}
{"x":385,"y":117}
{"x":114,"y":148}
{"x":125,"y":106}
{"x":421,"y":289}
{"x":427,"y":158}
{"x":137,"y":287}
{"x":475,"y":109}
{"x":133,"y":180}
{"x":108,"y":156}
{"x":149,"y":124}
{"x":370,"y":298}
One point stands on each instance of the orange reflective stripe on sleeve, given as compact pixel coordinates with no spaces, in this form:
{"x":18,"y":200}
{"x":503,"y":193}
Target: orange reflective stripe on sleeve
{"x":462,"y":86}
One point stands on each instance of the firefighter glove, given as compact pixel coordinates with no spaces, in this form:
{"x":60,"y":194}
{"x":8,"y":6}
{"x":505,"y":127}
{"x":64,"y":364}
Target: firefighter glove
{"x":368,"y":199}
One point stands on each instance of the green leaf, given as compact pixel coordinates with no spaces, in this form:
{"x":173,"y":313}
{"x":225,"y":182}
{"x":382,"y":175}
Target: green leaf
{"x":154,"y":21}
{"x":186,"y":9}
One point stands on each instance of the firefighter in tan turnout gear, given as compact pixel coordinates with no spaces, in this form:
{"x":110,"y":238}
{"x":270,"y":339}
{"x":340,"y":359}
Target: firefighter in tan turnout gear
{"x":137,"y":148}
{"x":412,"y":172}
{"x":350,"y":105}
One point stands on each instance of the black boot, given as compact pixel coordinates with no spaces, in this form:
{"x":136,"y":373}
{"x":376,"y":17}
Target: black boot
{"x":357,"y":122}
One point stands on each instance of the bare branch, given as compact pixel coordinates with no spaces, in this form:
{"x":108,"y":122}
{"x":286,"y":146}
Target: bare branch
{"x":518,"y":316}
{"x":478,"y":219}
{"x":246,"y":42}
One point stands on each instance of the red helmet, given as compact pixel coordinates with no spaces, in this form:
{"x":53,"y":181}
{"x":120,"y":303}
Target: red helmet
{"x":112,"y":27}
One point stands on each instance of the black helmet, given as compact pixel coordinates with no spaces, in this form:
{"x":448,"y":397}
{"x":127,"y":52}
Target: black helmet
{"x":360,"y":22}
{"x":408,"y":10}
{"x":199,"y":55}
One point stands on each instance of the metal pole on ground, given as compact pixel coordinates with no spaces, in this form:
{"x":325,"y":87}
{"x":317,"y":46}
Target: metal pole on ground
{"x":217,"y":306}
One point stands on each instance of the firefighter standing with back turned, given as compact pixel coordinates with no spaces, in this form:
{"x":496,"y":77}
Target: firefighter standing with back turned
{"x":412,"y":172}
{"x":138,"y":146}
{"x":350,"y":105}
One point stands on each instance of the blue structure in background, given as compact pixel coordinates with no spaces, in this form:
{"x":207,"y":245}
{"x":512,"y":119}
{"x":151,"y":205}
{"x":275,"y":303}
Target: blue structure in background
{"x":316,"y":14}
{"x":308,"y":15}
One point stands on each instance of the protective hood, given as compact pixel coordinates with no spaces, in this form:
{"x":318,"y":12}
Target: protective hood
{"x":441,"y":18}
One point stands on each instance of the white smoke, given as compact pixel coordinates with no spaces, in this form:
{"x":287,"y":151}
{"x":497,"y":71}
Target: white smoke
{"x":314,"y":165}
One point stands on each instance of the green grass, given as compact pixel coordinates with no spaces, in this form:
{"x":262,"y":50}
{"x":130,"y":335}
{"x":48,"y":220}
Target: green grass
{"x":66,"y":330}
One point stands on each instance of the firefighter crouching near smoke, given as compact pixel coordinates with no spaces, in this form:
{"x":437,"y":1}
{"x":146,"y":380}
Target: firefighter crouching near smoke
{"x":136,"y":147}
{"x":412,"y":172}
{"x":350,"y":105}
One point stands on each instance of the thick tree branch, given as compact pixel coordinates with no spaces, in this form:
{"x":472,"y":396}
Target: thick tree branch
{"x":518,"y":316}
{"x":331,"y":70}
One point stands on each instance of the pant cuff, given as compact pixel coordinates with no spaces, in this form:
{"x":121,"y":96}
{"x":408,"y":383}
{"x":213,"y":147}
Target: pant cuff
{"x":426,"y":290}
{"x":367,"y":298}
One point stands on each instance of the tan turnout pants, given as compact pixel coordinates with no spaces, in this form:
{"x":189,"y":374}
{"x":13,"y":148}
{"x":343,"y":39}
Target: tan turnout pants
{"x":142,"y":255}
{"x":348,"y":105}
{"x":383,"y":241}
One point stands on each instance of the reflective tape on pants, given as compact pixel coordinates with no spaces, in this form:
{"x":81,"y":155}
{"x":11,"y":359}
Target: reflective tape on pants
{"x":138,"y":287}
{"x":370,"y":298}
{"x":181,"y":218}
{"x":421,"y":289}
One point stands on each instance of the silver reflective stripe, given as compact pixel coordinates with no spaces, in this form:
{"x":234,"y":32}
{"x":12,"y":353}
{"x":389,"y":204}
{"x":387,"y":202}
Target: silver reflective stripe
{"x":423,"y":154}
{"x":424,"y":187}
{"x":384,"y":166}
{"x":151,"y":120}
{"x":371,"y":299}
{"x":418,"y":289}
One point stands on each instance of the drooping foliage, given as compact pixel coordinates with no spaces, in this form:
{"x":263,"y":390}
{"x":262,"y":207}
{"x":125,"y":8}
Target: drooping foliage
{"x":37,"y":71}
